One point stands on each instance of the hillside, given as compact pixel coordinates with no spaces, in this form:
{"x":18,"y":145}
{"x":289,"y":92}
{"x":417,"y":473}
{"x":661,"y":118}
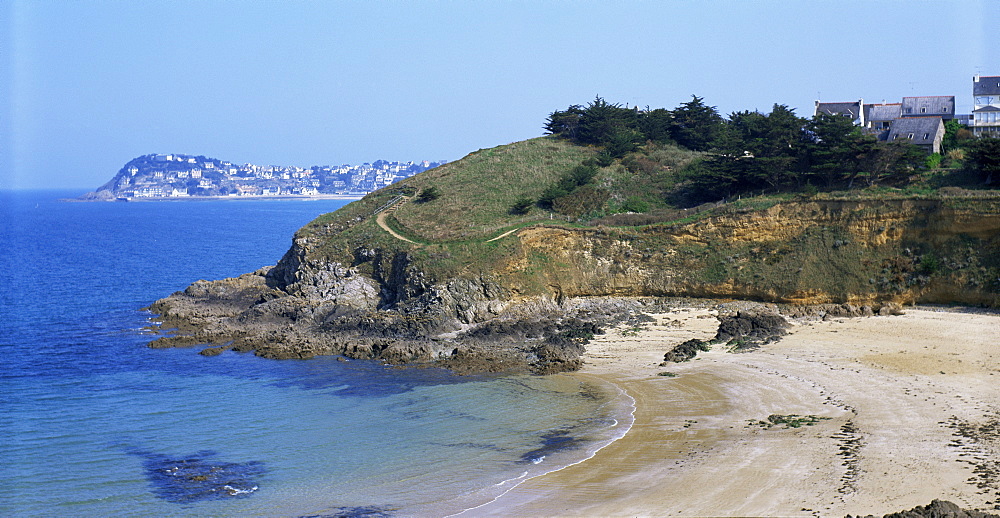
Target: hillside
{"x":461,"y":276}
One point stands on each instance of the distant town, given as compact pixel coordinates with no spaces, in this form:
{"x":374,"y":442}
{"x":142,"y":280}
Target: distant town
{"x":177,"y":176}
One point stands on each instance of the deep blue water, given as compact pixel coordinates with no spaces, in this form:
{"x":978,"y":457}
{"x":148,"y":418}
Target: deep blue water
{"x":94,"y":423}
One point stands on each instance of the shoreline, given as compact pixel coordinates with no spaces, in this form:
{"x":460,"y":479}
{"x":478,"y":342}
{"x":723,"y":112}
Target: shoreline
{"x":890,"y":395}
{"x":235,"y":198}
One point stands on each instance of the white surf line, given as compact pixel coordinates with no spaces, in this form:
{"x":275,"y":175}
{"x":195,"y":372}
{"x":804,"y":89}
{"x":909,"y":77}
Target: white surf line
{"x":521,"y":479}
{"x":505,"y":234}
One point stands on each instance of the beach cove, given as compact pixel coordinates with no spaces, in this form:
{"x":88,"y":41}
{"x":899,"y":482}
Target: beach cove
{"x":903,"y":410}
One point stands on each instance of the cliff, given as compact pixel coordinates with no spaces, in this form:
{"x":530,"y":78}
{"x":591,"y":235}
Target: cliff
{"x":465,"y":282}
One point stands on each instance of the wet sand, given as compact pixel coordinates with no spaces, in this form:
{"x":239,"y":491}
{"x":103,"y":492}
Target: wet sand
{"x":889,"y":392}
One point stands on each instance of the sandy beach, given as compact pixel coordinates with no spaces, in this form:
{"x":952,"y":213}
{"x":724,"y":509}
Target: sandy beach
{"x":898,"y":401}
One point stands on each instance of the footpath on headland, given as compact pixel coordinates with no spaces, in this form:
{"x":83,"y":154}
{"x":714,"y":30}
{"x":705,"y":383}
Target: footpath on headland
{"x":895,"y":398}
{"x":390,"y":208}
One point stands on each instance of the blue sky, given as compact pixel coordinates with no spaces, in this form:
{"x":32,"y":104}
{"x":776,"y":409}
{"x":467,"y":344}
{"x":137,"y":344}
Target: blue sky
{"x":87,"y":85}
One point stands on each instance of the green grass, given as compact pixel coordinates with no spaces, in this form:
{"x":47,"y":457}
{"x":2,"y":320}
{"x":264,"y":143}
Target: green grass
{"x":478,"y":192}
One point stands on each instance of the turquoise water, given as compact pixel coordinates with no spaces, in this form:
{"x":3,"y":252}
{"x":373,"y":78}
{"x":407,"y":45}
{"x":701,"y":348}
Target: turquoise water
{"x":94,"y":423}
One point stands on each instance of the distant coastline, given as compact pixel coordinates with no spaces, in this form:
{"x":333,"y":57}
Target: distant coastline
{"x":229,"y":197}
{"x":175,"y":177}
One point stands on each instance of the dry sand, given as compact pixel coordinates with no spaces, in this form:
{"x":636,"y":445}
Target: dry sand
{"x":891,"y":390}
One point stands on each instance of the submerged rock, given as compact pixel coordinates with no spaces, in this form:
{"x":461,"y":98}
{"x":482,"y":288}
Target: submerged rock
{"x":199,"y":476}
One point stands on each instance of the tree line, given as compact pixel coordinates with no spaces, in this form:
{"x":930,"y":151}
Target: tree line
{"x":752,"y":151}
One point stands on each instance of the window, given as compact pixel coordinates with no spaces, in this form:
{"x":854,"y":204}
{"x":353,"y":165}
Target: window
{"x":910,"y":136}
{"x":927,"y":136}
{"x":923,"y":109}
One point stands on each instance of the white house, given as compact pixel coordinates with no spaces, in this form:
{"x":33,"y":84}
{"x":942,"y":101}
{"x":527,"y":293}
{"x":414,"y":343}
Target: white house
{"x":986,"y":105}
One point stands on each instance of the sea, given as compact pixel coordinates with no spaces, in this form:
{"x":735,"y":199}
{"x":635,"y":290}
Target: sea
{"x":95,"y":423}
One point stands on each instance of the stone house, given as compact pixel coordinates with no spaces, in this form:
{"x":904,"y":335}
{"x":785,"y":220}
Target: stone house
{"x":853,"y":109}
{"x":926,"y":132}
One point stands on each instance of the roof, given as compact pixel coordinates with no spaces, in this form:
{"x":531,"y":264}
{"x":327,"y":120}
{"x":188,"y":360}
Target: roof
{"x":919,"y":127}
{"x":849,"y":108}
{"x":883,"y":112}
{"x":943,"y":105}
{"x":989,"y":108}
{"x":986,"y":85}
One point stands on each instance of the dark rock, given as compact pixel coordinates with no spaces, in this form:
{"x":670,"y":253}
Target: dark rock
{"x":212,"y":351}
{"x":552,"y":442}
{"x":685,"y":351}
{"x":366,"y":511}
{"x":749,"y":328}
{"x":937,"y":509}
{"x":829,"y":311}
{"x":199,"y":477}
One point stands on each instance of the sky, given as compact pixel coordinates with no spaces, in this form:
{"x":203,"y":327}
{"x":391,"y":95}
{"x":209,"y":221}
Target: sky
{"x":85,"y":86}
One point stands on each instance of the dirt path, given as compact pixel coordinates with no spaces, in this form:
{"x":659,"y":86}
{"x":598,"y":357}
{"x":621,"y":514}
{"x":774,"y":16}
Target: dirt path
{"x":380,"y":219}
{"x":505,"y":234}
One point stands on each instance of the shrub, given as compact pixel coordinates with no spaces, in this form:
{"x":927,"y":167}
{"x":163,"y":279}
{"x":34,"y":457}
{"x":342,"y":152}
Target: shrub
{"x":429,"y":194}
{"x":522,"y":205}
{"x":933,"y":160}
{"x":635,"y":204}
{"x":581,"y":201}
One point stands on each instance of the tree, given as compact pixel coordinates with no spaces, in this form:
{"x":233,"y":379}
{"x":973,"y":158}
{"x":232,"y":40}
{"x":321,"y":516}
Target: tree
{"x":564,"y":123}
{"x":577,"y":177}
{"x":950,"y":140}
{"x":601,"y":121}
{"x":622,"y":141}
{"x":695,"y":125}
{"x":522,"y":205}
{"x":834,"y":149}
{"x":756,"y":151}
{"x":891,"y":162}
{"x":655,"y":125}
{"x":983,"y":157}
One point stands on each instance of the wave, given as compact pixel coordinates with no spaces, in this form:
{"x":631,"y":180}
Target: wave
{"x":626,"y":419}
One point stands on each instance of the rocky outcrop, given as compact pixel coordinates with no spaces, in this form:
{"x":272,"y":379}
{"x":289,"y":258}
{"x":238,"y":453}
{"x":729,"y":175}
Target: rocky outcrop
{"x":298,"y":310}
{"x":750,"y":329}
{"x":686,"y":351}
{"x":937,"y":509}
{"x":530,"y":303}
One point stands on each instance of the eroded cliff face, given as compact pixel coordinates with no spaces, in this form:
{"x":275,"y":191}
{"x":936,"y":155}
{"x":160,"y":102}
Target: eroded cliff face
{"x":532,"y":308}
{"x":905,"y":251}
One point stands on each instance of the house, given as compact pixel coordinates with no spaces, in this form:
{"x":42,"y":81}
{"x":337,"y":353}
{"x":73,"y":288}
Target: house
{"x":926,"y":132}
{"x":986,"y":106}
{"x":938,"y":105}
{"x":879,"y":117}
{"x":854,"y":110}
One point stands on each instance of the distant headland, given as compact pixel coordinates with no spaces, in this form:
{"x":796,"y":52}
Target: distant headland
{"x":177,"y":177}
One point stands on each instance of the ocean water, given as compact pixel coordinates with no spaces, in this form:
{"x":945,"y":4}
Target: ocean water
{"x":94,"y":423}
